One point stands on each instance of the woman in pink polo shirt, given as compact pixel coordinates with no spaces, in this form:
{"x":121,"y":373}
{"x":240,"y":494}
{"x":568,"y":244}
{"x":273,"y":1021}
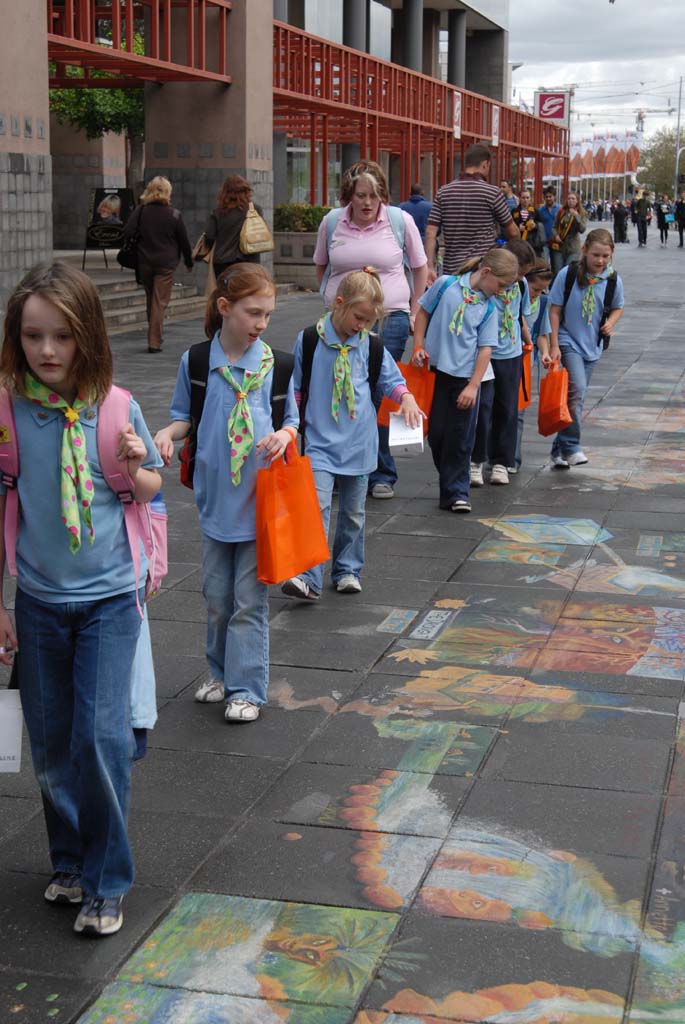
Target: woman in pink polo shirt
{"x":367,"y":231}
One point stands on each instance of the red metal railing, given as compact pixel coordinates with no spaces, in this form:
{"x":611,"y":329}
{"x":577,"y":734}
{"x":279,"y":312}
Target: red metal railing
{"x":329,"y":93}
{"x":73,"y":39}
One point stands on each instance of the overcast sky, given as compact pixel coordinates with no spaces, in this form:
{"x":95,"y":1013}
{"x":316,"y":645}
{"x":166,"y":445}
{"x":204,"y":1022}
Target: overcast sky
{"x":621,"y":57}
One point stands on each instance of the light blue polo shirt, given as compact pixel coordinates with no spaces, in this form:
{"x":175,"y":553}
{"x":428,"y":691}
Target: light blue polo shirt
{"x":575,"y":333}
{"x":227,"y":513}
{"x":539,"y":316}
{"x":452,"y":353}
{"x":350,"y":446}
{"x":46,"y":568}
{"x":508,"y":346}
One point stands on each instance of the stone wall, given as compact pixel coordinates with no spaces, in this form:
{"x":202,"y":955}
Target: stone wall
{"x":25,"y":216}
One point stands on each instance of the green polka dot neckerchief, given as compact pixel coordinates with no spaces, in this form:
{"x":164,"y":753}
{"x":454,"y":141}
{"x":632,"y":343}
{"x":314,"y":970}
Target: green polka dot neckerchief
{"x":240,"y":425}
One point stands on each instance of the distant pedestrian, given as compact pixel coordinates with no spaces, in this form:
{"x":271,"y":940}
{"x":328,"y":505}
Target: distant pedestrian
{"x":680,"y":218}
{"x":620,"y":214}
{"x":509,"y":195}
{"x":548,"y":212}
{"x":643,"y":216}
{"x":225,"y":223}
{"x":663,"y":213}
{"x":580,"y":333}
{"x":418,"y":207}
{"x":570,"y":223}
{"x":470,"y":213}
{"x":529,"y":222}
{"x":238,"y":391}
{"x":162,"y":241}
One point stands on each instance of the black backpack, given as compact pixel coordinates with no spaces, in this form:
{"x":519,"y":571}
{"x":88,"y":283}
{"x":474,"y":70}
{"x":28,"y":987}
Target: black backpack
{"x":198,"y":371}
{"x":571,"y":278}
{"x":310,"y":339}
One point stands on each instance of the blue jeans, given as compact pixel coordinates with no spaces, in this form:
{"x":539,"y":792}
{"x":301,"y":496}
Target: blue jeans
{"x":237,"y":618}
{"x":394,"y":333}
{"x":451,"y":434}
{"x":348,"y":545}
{"x":75,"y":682}
{"x":580,"y":370}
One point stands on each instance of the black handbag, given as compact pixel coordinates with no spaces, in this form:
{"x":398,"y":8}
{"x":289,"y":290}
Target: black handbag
{"x":127,"y":256}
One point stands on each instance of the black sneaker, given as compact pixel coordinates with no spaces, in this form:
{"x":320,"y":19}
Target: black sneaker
{"x":64,"y":887}
{"x":100,"y":916}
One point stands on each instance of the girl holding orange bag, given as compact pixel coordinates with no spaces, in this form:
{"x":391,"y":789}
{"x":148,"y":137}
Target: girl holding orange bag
{"x":234,"y":435}
{"x":458,"y":320}
{"x":581,"y":328}
{"x":340,"y":434}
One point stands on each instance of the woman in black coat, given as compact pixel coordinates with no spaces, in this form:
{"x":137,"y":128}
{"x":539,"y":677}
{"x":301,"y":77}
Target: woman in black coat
{"x":162,"y":240}
{"x":225,"y":223}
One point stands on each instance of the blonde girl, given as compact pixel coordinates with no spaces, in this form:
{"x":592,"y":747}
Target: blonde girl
{"x":340,"y":432}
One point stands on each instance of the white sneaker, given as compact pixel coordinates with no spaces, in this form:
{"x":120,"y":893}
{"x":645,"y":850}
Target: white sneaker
{"x":241,"y":711}
{"x":211,"y":692}
{"x":577,"y":459}
{"x":476,"y":474}
{"x":382,"y":491}
{"x":348,"y":584}
{"x":559,"y":462}
{"x":460,"y":506}
{"x":499,"y":475}
{"x":512,"y":470}
{"x":298,"y":588}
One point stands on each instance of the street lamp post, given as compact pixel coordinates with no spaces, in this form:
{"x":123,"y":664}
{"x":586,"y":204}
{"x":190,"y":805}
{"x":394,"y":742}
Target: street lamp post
{"x":678,"y":148}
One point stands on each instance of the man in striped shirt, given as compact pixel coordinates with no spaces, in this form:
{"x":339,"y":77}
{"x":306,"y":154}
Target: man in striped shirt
{"x":469,"y":212}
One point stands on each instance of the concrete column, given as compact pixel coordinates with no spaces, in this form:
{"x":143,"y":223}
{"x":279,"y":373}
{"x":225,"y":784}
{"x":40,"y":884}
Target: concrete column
{"x":355,"y":24}
{"x":25,"y":165}
{"x":487,"y":64}
{"x":196,"y":134}
{"x":431,"y":43}
{"x":280,"y":10}
{"x":413,"y":35}
{"x":456,"y":48}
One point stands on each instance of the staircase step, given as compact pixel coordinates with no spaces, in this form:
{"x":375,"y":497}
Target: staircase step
{"x":120,"y":300}
{"x":134,"y":317}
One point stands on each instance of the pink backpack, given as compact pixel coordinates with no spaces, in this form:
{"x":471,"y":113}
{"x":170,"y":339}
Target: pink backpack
{"x":144,"y":524}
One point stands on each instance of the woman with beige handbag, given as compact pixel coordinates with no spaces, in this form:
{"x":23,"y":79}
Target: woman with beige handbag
{"x":225,"y":224}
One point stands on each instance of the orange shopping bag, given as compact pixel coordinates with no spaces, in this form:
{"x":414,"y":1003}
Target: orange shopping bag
{"x":553,"y":414}
{"x":526,"y":377}
{"x":421,"y":382}
{"x":290,"y":533}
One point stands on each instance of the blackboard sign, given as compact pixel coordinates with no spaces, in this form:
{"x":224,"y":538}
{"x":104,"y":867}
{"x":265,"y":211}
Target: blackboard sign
{"x":109,"y":210}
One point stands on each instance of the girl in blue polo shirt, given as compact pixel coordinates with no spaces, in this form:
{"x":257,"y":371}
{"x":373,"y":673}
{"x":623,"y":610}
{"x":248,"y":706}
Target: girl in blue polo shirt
{"x":538,"y":280}
{"x":458,"y":321}
{"x":497,"y":415}
{"x":580,"y":333}
{"x":340,"y":431}
{"x":76,"y":612}
{"x":234,"y":438}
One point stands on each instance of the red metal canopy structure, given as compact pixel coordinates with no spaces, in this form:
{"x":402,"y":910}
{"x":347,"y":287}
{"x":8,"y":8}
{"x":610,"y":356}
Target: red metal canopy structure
{"x":75,"y":40}
{"x":328,"y":93}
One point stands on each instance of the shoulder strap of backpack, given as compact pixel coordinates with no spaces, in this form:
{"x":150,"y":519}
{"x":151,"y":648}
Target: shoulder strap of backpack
{"x":282,"y":372}
{"x":113,"y":415}
{"x":569,"y":281}
{"x":310,"y":339}
{"x":376,"y":350}
{"x":609,"y":293}
{"x":331,"y":221}
{"x":443,"y":288}
{"x":9,"y":475}
{"x":399,"y":229}
{"x":198,"y":371}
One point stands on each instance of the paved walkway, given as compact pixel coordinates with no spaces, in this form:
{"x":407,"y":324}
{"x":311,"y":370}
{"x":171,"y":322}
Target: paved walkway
{"x":466,"y":798}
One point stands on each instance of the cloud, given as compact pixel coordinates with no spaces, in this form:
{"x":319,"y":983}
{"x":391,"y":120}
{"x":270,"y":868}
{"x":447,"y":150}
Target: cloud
{"x":595,"y":30}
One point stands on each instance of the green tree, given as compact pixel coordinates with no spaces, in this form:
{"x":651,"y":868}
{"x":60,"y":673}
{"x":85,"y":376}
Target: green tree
{"x":657,"y":161}
{"x":97,"y":111}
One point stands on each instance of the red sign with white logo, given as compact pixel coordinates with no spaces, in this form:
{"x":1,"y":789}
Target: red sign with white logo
{"x":553,"y":107}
